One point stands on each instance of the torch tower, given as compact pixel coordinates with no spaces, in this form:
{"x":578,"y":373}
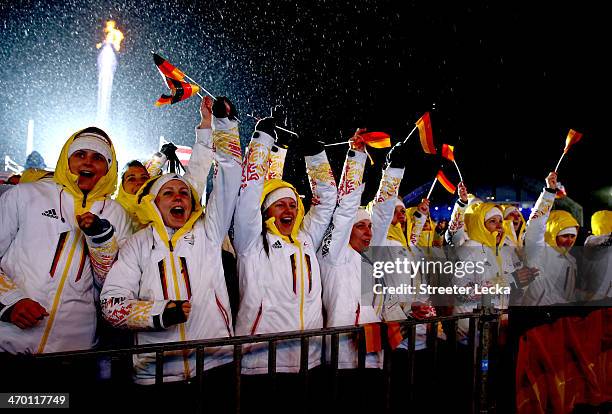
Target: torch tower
{"x":107,"y":63}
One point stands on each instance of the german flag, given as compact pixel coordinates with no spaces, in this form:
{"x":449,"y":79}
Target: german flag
{"x":179,"y":92}
{"x":372,"y":337}
{"x":377,"y":139}
{"x":448,"y":152}
{"x":446,"y":183}
{"x":424,"y":125}
{"x":572,"y":138}
{"x":167,"y":69}
{"x":394,"y":334}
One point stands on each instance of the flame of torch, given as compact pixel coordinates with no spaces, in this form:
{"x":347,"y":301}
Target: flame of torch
{"x":113,"y":36}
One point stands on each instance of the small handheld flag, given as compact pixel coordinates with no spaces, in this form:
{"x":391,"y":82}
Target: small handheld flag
{"x":179,"y":92}
{"x":446,"y":183}
{"x":425,"y":134}
{"x":167,"y":69}
{"x":377,"y":139}
{"x":448,"y":152}
{"x":572,"y":138}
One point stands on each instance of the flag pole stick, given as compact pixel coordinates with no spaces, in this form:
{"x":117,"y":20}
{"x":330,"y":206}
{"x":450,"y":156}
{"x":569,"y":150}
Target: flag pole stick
{"x":559,"y":163}
{"x":460,"y":177}
{"x":336,"y":143}
{"x":413,"y":129}
{"x":201,"y":87}
{"x":276,"y":126}
{"x":432,"y":187}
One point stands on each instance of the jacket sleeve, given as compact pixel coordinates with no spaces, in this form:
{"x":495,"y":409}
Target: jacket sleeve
{"x":119,"y":297}
{"x":9,"y":218}
{"x":9,"y":293}
{"x":456,"y":235}
{"x":226,"y":180}
{"x":324,"y":197}
{"x":338,"y":233}
{"x":536,"y":228}
{"x":383,"y":207}
{"x":103,"y":248}
{"x":417,"y":229}
{"x":200,"y":161}
{"x":276,"y":162}
{"x":247,"y":220}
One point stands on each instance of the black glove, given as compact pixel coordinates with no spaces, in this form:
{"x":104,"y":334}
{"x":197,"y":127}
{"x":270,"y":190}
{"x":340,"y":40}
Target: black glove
{"x":174,"y":315}
{"x":283,"y":137}
{"x":169,"y":150}
{"x":219,"y":109}
{"x":309,"y":147}
{"x":267,"y":125}
{"x":397,"y":156}
{"x":98,"y":227}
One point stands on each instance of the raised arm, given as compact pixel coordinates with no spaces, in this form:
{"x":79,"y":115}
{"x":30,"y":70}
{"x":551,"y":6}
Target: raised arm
{"x":324,"y":192}
{"x":536,"y":225}
{"x":349,"y":197}
{"x":247,"y":219}
{"x":202,"y":154}
{"x":456,"y":234}
{"x":226,"y":181}
{"x":420,"y":217}
{"x":386,"y":196}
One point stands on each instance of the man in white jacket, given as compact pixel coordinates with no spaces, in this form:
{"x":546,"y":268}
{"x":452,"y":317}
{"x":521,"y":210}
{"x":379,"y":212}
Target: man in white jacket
{"x":58,"y":239}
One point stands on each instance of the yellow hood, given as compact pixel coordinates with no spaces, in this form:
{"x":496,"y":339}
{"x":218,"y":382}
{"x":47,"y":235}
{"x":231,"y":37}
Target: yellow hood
{"x":274,"y":184}
{"x":509,"y":227}
{"x":427,"y":236}
{"x":34,"y":174}
{"x":147,"y":212}
{"x":557,"y":221}
{"x":601,"y":222}
{"x":103,"y":188}
{"x":475,"y":227}
{"x":128,"y":201}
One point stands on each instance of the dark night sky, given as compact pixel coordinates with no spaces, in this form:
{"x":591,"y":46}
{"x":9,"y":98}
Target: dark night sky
{"x":503,"y":80}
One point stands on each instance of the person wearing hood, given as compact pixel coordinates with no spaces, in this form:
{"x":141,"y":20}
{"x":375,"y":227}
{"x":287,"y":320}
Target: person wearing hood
{"x":549,"y":237}
{"x":168,"y":283}
{"x":598,"y":251}
{"x":279,"y":277}
{"x":59,"y":239}
{"x":135,"y":173}
{"x":514,"y":226}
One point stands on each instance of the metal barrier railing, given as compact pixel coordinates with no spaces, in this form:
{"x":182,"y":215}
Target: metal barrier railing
{"x":481,"y":340}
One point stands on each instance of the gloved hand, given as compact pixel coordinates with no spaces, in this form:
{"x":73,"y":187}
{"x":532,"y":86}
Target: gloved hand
{"x":224,"y":108}
{"x":397,"y":156}
{"x":92,"y":225}
{"x":267,"y":125}
{"x":175,"y":312}
{"x":169,"y":150}
{"x":309,"y":147}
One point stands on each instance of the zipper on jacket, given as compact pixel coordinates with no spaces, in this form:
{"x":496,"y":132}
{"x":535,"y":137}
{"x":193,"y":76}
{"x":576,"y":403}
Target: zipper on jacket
{"x":84,"y":200}
{"x":301,"y":286}
{"x":181,"y":326}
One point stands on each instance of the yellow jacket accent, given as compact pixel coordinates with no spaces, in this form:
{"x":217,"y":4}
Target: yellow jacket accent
{"x":103,"y":188}
{"x":396,"y":233}
{"x":557,"y":221}
{"x":129,"y":202}
{"x":148,"y":213}
{"x":274,"y":184}
{"x":601,"y":222}
{"x":34,"y":174}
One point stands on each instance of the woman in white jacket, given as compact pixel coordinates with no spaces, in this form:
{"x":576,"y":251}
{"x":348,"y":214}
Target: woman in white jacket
{"x":279,"y":277}
{"x":168,"y":282}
